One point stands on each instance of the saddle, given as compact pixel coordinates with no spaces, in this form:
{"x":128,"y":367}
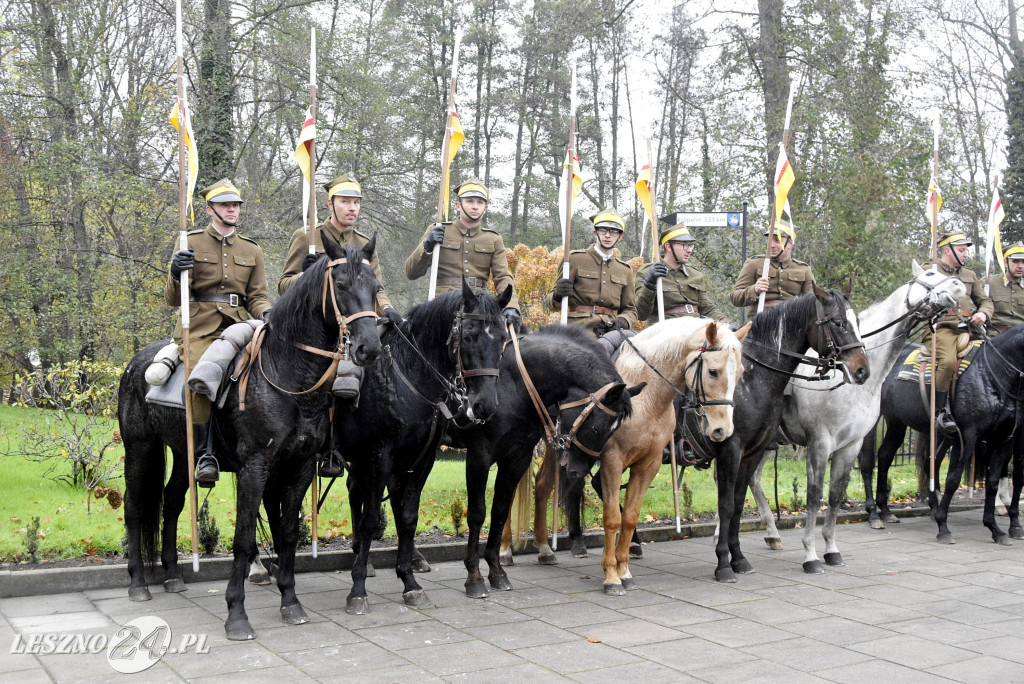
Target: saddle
{"x":917,"y":367}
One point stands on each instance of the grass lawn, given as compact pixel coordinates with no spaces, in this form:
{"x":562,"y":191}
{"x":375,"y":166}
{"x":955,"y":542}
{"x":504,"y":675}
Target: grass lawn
{"x":73,"y":525}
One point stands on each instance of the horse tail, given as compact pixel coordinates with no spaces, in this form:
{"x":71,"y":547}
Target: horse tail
{"x":521,"y":513}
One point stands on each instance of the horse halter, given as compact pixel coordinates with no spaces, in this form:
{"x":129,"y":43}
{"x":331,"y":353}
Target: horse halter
{"x":454,"y":343}
{"x":695,"y":396}
{"x":823,"y":322}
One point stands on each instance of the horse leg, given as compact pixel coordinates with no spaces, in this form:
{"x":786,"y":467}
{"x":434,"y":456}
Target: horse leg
{"x":144,"y":478}
{"x":286,"y":539}
{"x":894,"y":436}
{"x":611,"y":477}
{"x":771,"y":533}
{"x":1003,"y":495}
{"x":574,"y":506}
{"x":174,"y":502}
{"x":365,"y":518}
{"x":405,"y":504}
{"x":505,"y":551}
{"x":640,"y":477}
{"x":992,"y":474}
{"x":726,"y":470}
{"x":817,"y":458}
{"x":739,"y":563}
{"x":251,"y":482}
{"x":1016,"y":451}
{"x":866,"y":462}
{"x":542,"y":492}
{"x":510,"y":472}
{"x":477,"y":465}
{"x":839,"y":481}
{"x":356,"y":507}
{"x":258,"y":575}
{"x":953,"y":477}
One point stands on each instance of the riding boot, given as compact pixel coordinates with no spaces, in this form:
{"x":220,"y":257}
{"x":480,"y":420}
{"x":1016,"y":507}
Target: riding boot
{"x":331,"y":465}
{"x":944,"y":421}
{"x":207,"y":469}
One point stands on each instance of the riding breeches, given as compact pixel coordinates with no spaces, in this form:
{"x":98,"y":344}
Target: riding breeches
{"x":201,"y":406}
{"x":945,"y":356}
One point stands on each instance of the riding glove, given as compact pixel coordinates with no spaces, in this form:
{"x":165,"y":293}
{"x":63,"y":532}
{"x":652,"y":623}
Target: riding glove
{"x":182,"y":261}
{"x":563,"y":288}
{"x":658,"y":270}
{"x":434,"y":238}
{"x":308,"y":261}
{"x":513,"y":317}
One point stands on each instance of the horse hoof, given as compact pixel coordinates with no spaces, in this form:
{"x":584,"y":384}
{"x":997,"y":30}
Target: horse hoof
{"x":876,"y":524}
{"x":175,"y":586}
{"x":420,"y":565}
{"x":370,"y":570}
{"x":1017,"y":533}
{"x":1002,"y":539}
{"x":416,"y":597}
{"x":636,"y":551}
{"x":506,"y":560}
{"x":500,"y":583}
{"x":357,"y":605}
{"x":547,"y":559}
{"x":579,"y":549}
{"x":813,"y":567}
{"x":742,"y":566}
{"x":891,"y":518}
{"x":294,"y":615}
{"x":614,"y":590}
{"x":139,"y":594}
{"x":945,"y":538}
{"x":834,"y":559}
{"x":239,"y":630}
{"x":1001,"y":510}
{"x":629,"y":584}
{"x":260,"y":579}
{"x":774,"y":543}
{"x":476,"y":589}
{"x":725,"y":575}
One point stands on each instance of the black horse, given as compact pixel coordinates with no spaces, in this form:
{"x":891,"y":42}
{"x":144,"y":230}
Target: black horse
{"x":822,"y":321}
{"x":270,"y":445}
{"x":987,"y":408}
{"x":441,"y":362}
{"x":575,"y":382}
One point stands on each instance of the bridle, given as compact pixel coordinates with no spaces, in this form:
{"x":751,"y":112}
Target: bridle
{"x":255,"y":347}
{"x":558,"y":440}
{"x":455,"y":347}
{"x":916,"y":310}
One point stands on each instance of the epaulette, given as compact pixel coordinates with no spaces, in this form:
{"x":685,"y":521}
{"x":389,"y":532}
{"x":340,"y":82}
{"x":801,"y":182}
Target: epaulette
{"x":802,"y":263}
{"x":489,"y":230}
{"x":623,"y":262}
{"x":362,"y":235}
{"x":197,"y":231}
{"x":578,"y":251}
{"x":249,"y":239}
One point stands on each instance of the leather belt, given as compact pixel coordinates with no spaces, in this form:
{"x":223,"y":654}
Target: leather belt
{"x":682,"y":308}
{"x":472,"y":281}
{"x":229,"y":299}
{"x":603,"y":310}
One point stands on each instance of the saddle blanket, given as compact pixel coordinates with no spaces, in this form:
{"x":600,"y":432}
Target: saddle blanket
{"x":910,"y":371}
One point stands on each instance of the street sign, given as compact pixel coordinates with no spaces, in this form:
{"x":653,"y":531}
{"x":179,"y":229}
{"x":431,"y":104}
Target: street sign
{"x":717,"y":219}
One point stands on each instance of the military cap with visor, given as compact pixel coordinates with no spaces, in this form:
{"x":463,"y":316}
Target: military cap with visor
{"x":677,"y":233}
{"x":608,"y":218}
{"x":221,"y":191}
{"x":472,"y":187}
{"x":953,"y":238}
{"x":783,"y":228}
{"x":1014,"y":251}
{"x":344,"y":185}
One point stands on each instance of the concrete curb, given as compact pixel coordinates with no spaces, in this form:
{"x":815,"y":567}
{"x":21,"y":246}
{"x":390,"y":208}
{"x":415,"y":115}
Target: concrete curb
{"x":61,"y":580}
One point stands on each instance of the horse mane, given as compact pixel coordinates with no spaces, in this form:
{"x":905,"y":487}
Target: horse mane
{"x":664,"y":344}
{"x":431,"y":321}
{"x":792,"y":312}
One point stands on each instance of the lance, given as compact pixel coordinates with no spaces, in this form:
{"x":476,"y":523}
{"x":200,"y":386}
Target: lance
{"x":771,"y":224}
{"x":182,"y":245}
{"x":934,"y":201}
{"x":990,"y":233}
{"x":311,"y":230}
{"x":442,"y":199}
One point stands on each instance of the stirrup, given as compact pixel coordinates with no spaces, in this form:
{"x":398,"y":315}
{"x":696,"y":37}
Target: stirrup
{"x":331,"y":466}
{"x":945,"y":424}
{"x":207,"y":471}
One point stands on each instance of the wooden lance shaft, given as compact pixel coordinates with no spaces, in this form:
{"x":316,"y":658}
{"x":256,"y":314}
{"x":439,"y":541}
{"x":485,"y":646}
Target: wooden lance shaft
{"x":442,"y":200}
{"x":935,"y":260}
{"x":315,"y":487}
{"x":775,"y":208}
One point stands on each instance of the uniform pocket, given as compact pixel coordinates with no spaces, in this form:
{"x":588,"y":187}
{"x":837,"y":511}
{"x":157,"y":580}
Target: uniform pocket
{"x":482,"y":255}
{"x":243,"y":267}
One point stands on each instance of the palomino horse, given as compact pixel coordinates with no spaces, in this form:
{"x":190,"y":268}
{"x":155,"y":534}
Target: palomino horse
{"x":439,"y":365}
{"x":693,"y":352}
{"x":832,"y":417}
{"x":774,"y":348}
{"x":584,"y":401}
{"x":987,"y":406}
{"x":271,"y":445}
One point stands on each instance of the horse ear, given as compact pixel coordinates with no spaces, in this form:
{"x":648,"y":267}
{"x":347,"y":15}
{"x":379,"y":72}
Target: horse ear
{"x":370,"y":247}
{"x":742,"y":332}
{"x":711,"y":332}
{"x":821,"y":294}
{"x":505,"y":297}
{"x":848,"y":288}
{"x":916,"y":268}
{"x":467,"y":293}
{"x":636,"y":389}
{"x":330,"y":246}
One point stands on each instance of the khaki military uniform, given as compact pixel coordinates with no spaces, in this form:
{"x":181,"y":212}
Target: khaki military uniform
{"x":1007,"y":304}
{"x":299,"y":248}
{"x":602,"y":290}
{"x":685,"y":291}
{"x":785,"y":281}
{"x":946,"y":328}
{"x":478,"y":254}
{"x":227,"y":285}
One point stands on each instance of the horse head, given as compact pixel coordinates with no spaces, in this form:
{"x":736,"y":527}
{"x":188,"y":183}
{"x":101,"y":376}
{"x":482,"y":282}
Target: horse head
{"x":931,"y":291}
{"x":592,"y":418}
{"x":353,"y":292}
{"x":477,"y":340}
{"x":714,"y":364}
{"x":835,"y":334}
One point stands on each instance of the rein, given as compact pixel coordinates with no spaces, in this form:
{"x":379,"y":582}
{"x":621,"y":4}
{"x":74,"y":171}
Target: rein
{"x":911,"y":310}
{"x":558,"y":440}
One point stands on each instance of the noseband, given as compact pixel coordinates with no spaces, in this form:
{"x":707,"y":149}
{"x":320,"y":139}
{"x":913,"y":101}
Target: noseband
{"x":695,"y":398}
{"x":458,"y":389}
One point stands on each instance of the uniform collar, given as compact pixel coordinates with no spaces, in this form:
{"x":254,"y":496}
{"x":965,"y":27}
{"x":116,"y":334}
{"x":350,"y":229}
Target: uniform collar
{"x":467,"y":232}
{"x":601,"y":255}
{"x":336,"y":233}
{"x":777,"y":260}
{"x":947,"y":269}
{"x":216,"y":234}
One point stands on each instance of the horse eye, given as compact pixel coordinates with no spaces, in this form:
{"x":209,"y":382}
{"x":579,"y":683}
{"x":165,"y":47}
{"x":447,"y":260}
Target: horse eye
{"x":713,"y":372}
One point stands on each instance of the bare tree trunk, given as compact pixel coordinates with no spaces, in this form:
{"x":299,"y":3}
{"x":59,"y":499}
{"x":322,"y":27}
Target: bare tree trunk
{"x":774,"y":80}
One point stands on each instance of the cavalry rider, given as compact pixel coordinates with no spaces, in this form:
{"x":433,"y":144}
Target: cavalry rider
{"x":468,"y":249}
{"x":1007,"y":294}
{"x":684,"y":286}
{"x":953,"y":248}
{"x":344,"y":196}
{"x":787,"y":277}
{"x":228,"y":285}
{"x":600,"y":285}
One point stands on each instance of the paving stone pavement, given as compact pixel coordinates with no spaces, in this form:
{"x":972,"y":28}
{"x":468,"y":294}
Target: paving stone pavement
{"x":904,"y":608}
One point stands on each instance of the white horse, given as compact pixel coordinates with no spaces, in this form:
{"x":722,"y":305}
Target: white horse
{"x":831,"y":419}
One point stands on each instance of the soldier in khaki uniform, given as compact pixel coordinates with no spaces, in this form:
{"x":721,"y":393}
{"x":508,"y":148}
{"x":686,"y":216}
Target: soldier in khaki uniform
{"x":228,"y":285}
{"x":787,"y":277}
{"x":684,"y":286}
{"x":467,"y":250}
{"x":600,"y":285}
{"x":1007,"y":294}
{"x":953,"y":248}
{"x":344,"y":196}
